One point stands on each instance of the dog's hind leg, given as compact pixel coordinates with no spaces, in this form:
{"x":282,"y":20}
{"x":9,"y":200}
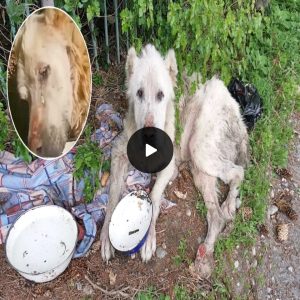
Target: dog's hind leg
{"x":119,"y":168}
{"x":208,"y":186}
{"x":233,"y":175}
{"x":163,"y":177}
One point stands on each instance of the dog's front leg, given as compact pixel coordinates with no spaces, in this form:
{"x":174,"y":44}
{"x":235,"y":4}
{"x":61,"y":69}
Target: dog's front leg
{"x":119,"y":168}
{"x":162,"y":180}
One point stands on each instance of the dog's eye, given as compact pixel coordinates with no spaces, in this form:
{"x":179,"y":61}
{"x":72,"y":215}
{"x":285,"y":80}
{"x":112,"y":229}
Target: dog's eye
{"x":160,"y":95}
{"x":140,"y":93}
{"x":44,"y":71}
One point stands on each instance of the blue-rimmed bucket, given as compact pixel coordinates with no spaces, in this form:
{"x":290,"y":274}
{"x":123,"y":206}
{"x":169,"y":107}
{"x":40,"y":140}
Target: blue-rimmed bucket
{"x":130,"y":222}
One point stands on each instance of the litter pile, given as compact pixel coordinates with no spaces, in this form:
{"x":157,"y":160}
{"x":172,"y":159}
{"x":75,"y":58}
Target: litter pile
{"x":249,"y":100}
{"x":43,"y":182}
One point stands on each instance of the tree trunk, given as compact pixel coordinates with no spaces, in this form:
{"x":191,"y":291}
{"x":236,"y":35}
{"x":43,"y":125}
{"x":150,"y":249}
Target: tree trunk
{"x":47,"y":3}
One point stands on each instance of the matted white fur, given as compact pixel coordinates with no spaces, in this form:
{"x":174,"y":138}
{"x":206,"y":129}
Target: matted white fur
{"x":215,"y":142}
{"x":150,"y":89}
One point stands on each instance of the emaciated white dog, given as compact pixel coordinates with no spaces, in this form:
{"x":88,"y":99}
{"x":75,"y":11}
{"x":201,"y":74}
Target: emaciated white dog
{"x":214,"y":142}
{"x":150,"y":89}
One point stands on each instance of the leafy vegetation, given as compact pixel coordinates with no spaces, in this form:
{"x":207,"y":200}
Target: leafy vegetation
{"x":231,"y":38}
{"x":200,"y":206}
{"x":97,"y":79}
{"x":4,"y":127}
{"x":181,"y":257}
{"x":88,"y":163}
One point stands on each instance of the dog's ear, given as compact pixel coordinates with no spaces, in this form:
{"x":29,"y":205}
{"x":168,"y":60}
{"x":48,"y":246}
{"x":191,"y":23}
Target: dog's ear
{"x":171,"y":63}
{"x":50,"y":15}
{"x":80,"y":78}
{"x":131,"y":59}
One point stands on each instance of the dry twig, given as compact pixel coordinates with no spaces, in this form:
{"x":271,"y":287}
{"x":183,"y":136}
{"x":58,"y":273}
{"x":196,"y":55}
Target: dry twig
{"x":106,"y":292}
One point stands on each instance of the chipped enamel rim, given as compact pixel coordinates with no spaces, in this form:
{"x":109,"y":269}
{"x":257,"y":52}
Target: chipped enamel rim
{"x":67,"y":259}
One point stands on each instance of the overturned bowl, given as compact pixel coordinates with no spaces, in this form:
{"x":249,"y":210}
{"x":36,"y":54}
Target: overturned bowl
{"x":41,"y":242}
{"x":130,"y":222}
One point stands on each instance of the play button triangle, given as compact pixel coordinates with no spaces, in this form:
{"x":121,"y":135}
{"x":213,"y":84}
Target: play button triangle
{"x":150,"y":150}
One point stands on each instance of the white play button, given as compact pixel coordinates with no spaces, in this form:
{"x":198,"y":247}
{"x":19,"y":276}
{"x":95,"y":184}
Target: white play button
{"x":150,"y":150}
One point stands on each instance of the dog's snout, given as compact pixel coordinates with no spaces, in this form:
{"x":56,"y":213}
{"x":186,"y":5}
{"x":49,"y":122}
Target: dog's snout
{"x":35,"y":144}
{"x":149,"y":121}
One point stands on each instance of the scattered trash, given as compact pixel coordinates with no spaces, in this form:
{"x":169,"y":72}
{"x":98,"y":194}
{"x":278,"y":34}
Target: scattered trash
{"x":180,"y":195}
{"x":41,"y":182}
{"x":160,"y":252}
{"x":236,"y":264}
{"x":291,"y":269}
{"x":272,"y":210}
{"x":282,"y":232}
{"x":79,"y":286}
{"x":188,"y":212}
{"x":238,"y":203}
{"x":249,"y":99}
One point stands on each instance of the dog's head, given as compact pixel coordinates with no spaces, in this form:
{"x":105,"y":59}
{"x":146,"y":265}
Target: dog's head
{"x":48,"y":78}
{"x":150,"y":81}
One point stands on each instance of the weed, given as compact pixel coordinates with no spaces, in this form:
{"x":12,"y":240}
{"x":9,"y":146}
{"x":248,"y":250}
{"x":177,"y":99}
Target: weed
{"x":88,"y":163}
{"x":97,"y":79}
{"x":181,"y":293}
{"x":181,"y":257}
{"x":20,"y":150}
{"x":4,"y":127}
{"x":150,"y":294}
{"x":201,"y":207}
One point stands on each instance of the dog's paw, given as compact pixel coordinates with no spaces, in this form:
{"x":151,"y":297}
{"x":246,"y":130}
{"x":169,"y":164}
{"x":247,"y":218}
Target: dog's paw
{"x":228,"y":210}
{"x":107,"y":250}
{"x":204,"y":263}
{"x":149,"y":247}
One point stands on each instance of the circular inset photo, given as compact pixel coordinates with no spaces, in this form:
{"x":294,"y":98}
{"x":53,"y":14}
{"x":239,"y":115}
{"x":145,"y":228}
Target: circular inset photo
{"x":49,"y":83}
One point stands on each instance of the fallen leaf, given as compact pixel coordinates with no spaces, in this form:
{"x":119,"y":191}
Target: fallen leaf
{"x":180,"y":195}
{"x":104,"y":178}
{"x":112,"y":278}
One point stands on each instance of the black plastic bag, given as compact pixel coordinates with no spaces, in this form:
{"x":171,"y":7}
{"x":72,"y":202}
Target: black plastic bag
{"x":249,"y":100}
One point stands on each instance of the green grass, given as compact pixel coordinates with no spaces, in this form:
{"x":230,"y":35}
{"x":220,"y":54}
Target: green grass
{"x":274,"y":68}
{"x":181,"y":256}
{"x":272,"y":134}
{"x":88,"y":162}
{"x":201,"y":207}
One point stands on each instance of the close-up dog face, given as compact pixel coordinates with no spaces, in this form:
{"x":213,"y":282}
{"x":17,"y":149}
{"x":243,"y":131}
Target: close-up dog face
{"x":47,"y":86}
{"x":49,"y":81}
{"x":151,"y":81}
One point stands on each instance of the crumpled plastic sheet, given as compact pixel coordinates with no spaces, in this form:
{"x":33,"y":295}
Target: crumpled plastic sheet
{"x":42,"y":182}
{"x":249,"y":100}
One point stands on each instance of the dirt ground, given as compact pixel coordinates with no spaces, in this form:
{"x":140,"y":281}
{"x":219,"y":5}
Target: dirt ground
{"x":270,"y":269}
{"x":132,"y":275}
{"x":123,"y":276}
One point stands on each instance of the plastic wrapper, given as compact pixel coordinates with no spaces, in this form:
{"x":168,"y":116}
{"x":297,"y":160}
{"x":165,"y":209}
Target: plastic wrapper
{"x":249,"y":100}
